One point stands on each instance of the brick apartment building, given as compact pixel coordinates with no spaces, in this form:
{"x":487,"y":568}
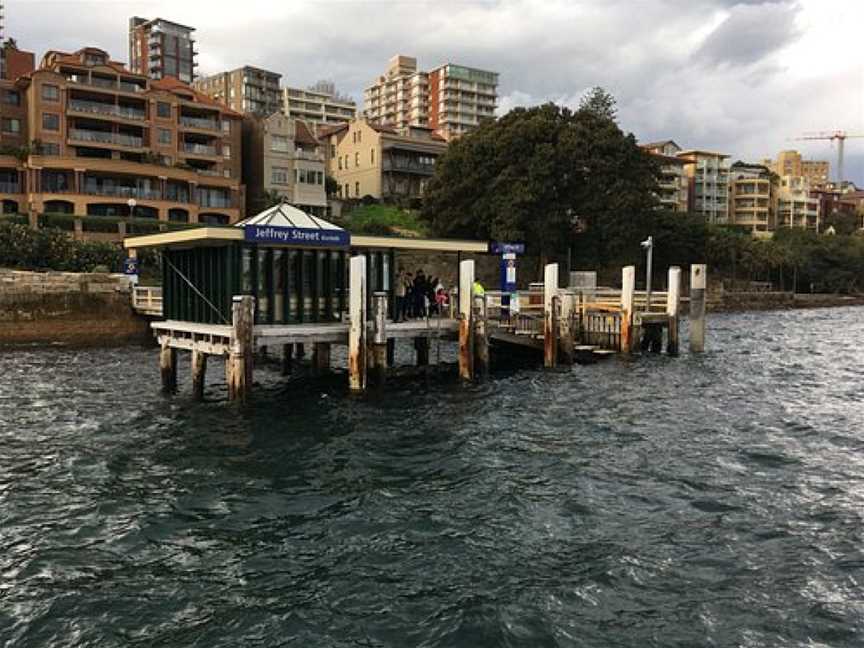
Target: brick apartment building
{"x":91,"y":135}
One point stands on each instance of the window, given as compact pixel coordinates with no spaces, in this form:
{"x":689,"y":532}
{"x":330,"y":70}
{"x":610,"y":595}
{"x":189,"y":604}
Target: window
{"x":372,"y":157}
{"x":164,"y":136}
{"x":163,"y":109}
{"x":346,"y":190}
{"x":357,"y":189}
{"x":359,"y":136}
{"x":226,"y":125}
{"x":226,"y":173}
{"x":51,"y":121}
{"x":50,"y":148}
{"x":340,"y":162}
{"x":12,"y":98}
{"x":357,"y":159}
{"x":50,"y":93}
{"x":346,"y":161}
{"x":332,"y":150}
{"x":319,"y":177}
{"x":226,"y":151}
{"x":280,"y":144}
{"x":279,"y":175}
{"x":354,"y":137}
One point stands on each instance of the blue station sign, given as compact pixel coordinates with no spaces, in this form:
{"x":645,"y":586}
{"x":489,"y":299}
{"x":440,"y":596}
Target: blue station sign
{"x":130,"y":266}
{"x":506,"y":248}
{"x":297,"y":236}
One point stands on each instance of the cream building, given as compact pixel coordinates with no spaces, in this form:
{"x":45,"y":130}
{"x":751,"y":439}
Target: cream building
{"x":708,"y":173}
{"x":282,"y":158}
{"x":753,"y":198}
{"x":400,"y":97}
{"x":318,"y":105}
{"x":796,"y":206}
{"x":673,"y":182}
{"x":790,"y":163}
{"x":367,"y":159}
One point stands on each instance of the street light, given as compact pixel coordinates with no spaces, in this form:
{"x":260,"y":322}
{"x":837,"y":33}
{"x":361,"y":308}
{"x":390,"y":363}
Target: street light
{"x":131,"y":202}
{"x":648,"y":245}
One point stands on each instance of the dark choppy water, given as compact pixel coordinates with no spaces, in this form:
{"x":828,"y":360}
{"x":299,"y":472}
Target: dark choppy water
{"x":698,"y":501}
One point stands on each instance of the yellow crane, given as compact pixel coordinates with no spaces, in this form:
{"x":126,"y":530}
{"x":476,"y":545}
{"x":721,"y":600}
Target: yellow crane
{"x":840,"y":137}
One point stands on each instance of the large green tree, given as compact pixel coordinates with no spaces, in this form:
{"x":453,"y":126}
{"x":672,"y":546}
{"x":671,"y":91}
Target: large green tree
{"x":547,"y":176}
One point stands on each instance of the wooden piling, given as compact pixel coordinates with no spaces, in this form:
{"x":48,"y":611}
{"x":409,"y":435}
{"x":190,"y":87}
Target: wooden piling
{"x":300,"y":350}
{"x":379,"y":340}
{"x":565,"y":328}
{"x":168,"y":367}
{"x":357,"y":324}
{"x":481,"y":339}
{"x":550,"y":329}
{"x":673,"y":304}
{"x":320,"y":357}
{"x":199,"y":371}
{"x":466,"y":333}
{"x":391,"y":352}
{"x":421,"y":346}
{"x":698,"y":283}
{"x":628,"y":287}
{"x":241,"y":347}
{"x":287,"y":358}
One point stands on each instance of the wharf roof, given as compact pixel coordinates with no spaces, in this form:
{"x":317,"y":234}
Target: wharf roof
{"x":285,"y":215}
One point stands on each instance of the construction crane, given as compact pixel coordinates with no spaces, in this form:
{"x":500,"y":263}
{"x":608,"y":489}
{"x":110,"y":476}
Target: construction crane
{"x":841,"y":137}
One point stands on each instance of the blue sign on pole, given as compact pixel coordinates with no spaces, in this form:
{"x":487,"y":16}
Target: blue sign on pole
{"x":297,"y":236}
{"x":506,"y":248}
{"x":130,"y":266}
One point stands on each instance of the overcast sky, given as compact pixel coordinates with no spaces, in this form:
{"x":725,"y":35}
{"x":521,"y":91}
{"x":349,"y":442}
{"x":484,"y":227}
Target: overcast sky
{"x":743,"y":77}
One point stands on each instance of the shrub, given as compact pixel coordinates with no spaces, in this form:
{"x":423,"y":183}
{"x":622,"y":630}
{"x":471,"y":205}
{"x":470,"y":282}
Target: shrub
{"x":52,"y":249}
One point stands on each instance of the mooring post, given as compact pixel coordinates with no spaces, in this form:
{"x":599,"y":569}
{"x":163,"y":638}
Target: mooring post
{"x":287,"y":357}
{"x":391,"y":352}
{"x":199,"y":370}
{"x":300,"y":350}
{"x":240,"y":354}
{"x":698,"y":283}
{"x":565,"y":328}
{"x":168,"y":367}
{"x":421,"y":346}
{"x":321,"y":357}
{"x":379,"y":340}
{"x":466,"y":333}
{"x":628,"y":286}
{"x":357,"y":324}
{"x":550,"y":330}
{"x":673,"y":304}
{"x":481,"y":339}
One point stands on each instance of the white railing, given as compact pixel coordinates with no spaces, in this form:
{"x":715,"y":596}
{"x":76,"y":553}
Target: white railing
{"x":147,"y":300}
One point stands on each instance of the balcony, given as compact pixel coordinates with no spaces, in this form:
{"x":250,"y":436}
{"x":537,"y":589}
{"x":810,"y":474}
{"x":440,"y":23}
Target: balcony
{"x":96,"y":108}
{"x":218,"y":202}
{"x":199,"y":149}
{"x":9,"y":187}
{"x":120,"y":191}
{"x":199,"y":122}
{"x":311,"y":156}
{"x":101,"y":137}
{"x":407,"y":166}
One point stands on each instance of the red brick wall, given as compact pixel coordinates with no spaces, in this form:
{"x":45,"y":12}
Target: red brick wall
{"x":434,"y":107}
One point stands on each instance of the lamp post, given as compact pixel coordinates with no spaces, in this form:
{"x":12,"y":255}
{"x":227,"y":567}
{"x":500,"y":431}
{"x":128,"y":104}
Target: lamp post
{"x":648,"y":245}
{"x":131,"y":202}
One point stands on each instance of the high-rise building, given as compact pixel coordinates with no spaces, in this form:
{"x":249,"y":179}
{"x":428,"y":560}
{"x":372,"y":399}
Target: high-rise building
{"x":368,"y":159}
{"x":282,"y":158}
{"x":101,"y":135}
{"x":248,"y":90}
{"x":319,"y":105}
{"x":13,"y":109}
{"x":160,"y":48}
{"x":451,"y":99}
{"x":673,"y":183}
{"x":753,"y":198}
{"x":709,"y":184}
{"x":790,"y":163}
{"x":460,"y":98}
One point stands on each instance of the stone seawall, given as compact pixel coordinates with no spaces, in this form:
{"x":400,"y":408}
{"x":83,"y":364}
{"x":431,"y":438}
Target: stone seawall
{"x":87,"y":309}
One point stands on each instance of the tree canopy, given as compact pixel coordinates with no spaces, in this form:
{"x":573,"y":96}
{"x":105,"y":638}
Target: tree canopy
{"x":541,"y":175}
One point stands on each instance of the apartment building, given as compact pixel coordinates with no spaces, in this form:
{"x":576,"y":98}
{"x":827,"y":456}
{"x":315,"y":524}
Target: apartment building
{"x":368,"y":159}
{"x":160,"y":48}
{"x":797,"y":206}
{"x":753,"y":198}
{"x":790,"y":163}
{"x":708,"y":174}
{"x":101,"y":135}
{"x":451,"y":99}
{"x":460,"y":98}
{"x":673,"y":183}
{"x":14,"y":63}
{"x":400,"y":97}
{"x":247,"y":90}
{"x":319,"y":105}
{"x":282,"y":158}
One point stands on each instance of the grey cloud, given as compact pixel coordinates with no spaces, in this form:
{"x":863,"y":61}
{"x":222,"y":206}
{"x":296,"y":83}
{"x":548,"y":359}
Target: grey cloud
{"x":750,"y":33}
